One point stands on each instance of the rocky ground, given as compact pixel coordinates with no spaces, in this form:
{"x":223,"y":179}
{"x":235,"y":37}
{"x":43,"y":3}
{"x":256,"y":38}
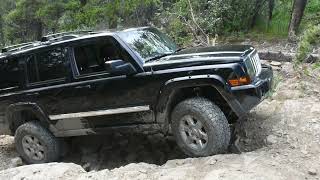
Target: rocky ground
{"x":280,"y":139}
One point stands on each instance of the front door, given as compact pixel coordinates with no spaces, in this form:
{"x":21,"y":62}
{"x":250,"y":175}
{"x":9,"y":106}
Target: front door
{"x":107,"y":93}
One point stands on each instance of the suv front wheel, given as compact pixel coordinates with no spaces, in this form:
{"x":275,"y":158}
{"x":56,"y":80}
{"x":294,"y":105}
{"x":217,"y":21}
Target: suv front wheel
{"x":36,"y":144}
{"x":200,"y":127}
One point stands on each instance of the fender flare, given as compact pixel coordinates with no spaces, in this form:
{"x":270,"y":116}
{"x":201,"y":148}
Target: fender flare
{"x":26,"y":106}
{"x":171,"y":87}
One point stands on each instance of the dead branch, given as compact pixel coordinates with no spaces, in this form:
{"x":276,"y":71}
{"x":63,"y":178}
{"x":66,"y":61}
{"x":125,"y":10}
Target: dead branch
{"x":197,"y":25}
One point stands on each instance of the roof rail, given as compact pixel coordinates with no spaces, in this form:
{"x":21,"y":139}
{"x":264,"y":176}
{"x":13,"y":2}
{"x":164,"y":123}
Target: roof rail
{"x":24,"y":47}
{"x":9,"y":48}
{"x":48,"y":39}
{"x":62,"y":34}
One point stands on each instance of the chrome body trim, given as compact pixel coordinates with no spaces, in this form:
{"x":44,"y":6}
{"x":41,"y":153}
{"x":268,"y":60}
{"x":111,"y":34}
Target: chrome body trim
{"x":100,"y":112}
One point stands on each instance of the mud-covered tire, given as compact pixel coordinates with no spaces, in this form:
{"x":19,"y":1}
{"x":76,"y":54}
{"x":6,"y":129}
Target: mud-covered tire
{"x":36,"y":144}
{"x":213,"y":121}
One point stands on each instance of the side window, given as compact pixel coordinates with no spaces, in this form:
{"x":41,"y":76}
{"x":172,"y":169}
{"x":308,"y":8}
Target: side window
{"x":9,"y":74}
{"x":47,"y":65}
{"x":52,"y":64}
{"x":93,"y":57}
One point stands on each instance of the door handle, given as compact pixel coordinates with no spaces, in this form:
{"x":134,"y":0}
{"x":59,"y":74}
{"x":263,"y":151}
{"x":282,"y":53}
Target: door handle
{"x":88,"y":86}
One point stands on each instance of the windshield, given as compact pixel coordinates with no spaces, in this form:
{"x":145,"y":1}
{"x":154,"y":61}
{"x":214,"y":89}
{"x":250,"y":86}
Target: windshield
{"x":149,"y":43}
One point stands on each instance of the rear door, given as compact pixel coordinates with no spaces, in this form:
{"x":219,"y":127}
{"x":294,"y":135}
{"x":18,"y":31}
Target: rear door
{"x":10,"y":81}
{"x":47,"y":74}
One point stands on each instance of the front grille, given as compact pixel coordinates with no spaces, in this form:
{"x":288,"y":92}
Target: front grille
{"x":253,"y":65}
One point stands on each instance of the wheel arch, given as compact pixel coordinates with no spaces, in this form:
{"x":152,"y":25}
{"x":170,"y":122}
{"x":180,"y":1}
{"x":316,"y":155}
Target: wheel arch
{"x":19,"y":113}
{"x":212,"y":87}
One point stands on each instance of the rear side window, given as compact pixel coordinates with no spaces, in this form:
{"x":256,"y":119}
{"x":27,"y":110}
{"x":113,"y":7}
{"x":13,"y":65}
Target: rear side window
{"x":51,"y":64}
{"x":47,"y":65}
{"x":9,"y":74}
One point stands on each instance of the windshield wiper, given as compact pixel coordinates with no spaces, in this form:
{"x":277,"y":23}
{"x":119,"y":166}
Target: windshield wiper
{"x":164,"y":55}
{"x":179,"y":49}
{"x":158,"y":57}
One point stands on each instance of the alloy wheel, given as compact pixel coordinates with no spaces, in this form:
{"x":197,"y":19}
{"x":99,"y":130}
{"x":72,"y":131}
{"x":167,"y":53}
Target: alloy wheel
{"x":193,"y":133}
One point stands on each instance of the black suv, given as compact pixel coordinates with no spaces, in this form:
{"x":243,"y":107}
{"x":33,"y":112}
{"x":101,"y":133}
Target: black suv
{"x":85,"y":83}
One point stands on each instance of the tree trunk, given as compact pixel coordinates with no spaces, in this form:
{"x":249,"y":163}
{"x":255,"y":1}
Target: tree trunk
{"x":36,"y":30}
{"x":2,"y":41}
{"x":270,"y":10}
{"x":39,"y":31}
{"x":113,"y":22}
{"x":257,"y":8}
{"x":296,"y":16}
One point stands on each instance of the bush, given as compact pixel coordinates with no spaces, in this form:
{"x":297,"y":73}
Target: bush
{"x":210,"y":18}
{"x":309,"y":39}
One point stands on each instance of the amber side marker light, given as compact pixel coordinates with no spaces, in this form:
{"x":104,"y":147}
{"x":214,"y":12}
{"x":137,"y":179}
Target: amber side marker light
{"x":240,"y":81}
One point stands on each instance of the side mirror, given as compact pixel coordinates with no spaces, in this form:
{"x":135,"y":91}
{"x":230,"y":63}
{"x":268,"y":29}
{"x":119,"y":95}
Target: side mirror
{"x":120,"y":67}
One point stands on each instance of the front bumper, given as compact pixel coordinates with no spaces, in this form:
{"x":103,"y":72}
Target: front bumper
{"x":244,"y":98}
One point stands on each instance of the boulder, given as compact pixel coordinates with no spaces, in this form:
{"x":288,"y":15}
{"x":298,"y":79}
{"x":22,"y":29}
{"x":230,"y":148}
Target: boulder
{"x":51,"y":171}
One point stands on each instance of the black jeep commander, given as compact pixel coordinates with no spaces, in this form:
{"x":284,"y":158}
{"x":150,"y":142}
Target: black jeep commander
{"x":83,"y":83}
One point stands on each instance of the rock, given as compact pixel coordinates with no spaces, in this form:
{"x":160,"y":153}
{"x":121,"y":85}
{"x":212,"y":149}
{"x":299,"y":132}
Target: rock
{"x":304,"y":152}
{"x":264,"y":61}
{"x":50,"y":171}
{"x":15,"y":162}
{"x":271,"y":139}
{"x":87,"y":166}
{"x":276,"y":68}
{"x":312,"y":172}
{"x":213,"y":161}
{"x":247,"y":140}
{"x":275,"y":63}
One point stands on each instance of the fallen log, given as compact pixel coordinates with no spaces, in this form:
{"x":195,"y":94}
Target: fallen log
{"x":285,"y":57}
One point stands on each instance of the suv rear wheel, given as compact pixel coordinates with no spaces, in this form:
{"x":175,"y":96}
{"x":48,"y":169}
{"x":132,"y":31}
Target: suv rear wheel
{"x":200,"y":127}
{"x":36,"y":144}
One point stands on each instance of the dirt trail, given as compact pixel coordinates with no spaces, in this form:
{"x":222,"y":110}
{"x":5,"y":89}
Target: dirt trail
{"x":279,"y":140}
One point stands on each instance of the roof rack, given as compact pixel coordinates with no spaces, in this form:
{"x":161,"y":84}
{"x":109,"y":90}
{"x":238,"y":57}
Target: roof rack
{"x":13,"y":47}
{"x":45,"y":40}
{"x":30,"y":45}
{"x":63,"y":35}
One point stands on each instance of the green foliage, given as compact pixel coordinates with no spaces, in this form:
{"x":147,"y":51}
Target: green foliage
{"x":97,"y":14}
{"x":50,"y":13}
{"x":310,"y":38}
{"x":176,"y":30}
{"x":6,"y":6}
{"x":29,"y":19}
{"x":23,"y":24}
{"x":279,"y":24}
{"x":78,"y":16}
{"x":187,"y":21}
{"x":312,"y":13}
{"x":277,"y":79}
{"x":281,"y":17}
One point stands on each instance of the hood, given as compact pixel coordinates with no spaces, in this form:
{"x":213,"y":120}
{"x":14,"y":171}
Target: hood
{"x":202,"y":56}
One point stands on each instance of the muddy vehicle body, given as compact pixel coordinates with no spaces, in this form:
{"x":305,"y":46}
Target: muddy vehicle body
{"x":85,"y":83}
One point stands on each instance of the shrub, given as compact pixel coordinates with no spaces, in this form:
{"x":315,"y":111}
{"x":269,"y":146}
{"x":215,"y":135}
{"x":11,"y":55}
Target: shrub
{"x":309,"y":39}
{"x":210,"y":18}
